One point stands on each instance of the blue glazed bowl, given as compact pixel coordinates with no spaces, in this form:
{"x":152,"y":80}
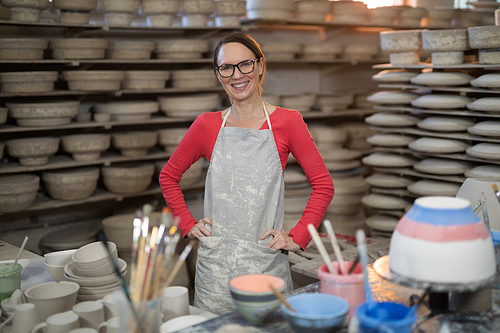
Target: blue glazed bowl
{"x":316,"y":313}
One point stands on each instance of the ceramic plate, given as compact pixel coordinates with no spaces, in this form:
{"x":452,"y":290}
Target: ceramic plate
{"x":393,"y":76}
{"x":485,"y":150}
{"x":433,"y":187}
{"x":442,"y":79}
{"x":486,"y":171}
{"x":382,"y":222}
{"x":485,"y":128}
{"x":342,"y":165}
{"x":491,"y":80}
{"x":485,"y":104}
{"x":382,"y":201}
{"x":388,"y":181}
{"x":439,"y":101}
{"x":434,"y":145}
{"x":386,"y":119}
{"x":340,"y":154}
{"x":388,"y":160}
{"x":445,"y":124}
{"x":390,"y":140}
{"x":442,"y":166}
{"x":392,"y":97}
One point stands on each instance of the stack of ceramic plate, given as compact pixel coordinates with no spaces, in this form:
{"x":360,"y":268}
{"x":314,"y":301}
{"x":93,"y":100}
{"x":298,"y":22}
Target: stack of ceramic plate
{"x":445,"y":124}
{"x":489,"y":105}
{"x":386,"y":119}
{"x":328,"y":137}
{"x":128,"y":110}
{"x":442,"y":166}
{"x":341,"y":159}
{"x":485,"y":38}
{"x":426,"y":187}
{"x":381,"y":225}
{"x":388,"y":203}
{"x":94,"y":288}
{"x":348,"y":194}
{"x":69,"y":238}
{"x":297,"y":192}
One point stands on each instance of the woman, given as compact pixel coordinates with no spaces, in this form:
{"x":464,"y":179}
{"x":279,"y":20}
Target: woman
{"x":248,"y":146}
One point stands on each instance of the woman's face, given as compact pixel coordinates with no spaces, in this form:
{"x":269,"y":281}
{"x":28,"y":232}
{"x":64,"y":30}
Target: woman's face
{"x":239,"y":86}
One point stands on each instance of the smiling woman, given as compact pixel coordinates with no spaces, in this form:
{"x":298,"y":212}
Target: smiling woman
{"x":247,"y":146}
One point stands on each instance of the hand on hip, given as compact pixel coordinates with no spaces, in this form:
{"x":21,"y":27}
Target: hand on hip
{"x":199,"y":229}
{"x":280,"y":241}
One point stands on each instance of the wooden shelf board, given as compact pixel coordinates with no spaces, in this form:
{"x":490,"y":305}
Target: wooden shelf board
{"x":413,"y":173}
{"x":424,"y":65}
{"x":107,"y":27}
{"x":249,"y":23}
{"x":459,"y":89}
{"x":114,"y":92}
{"x":99,"y":195}
{"x":77,"y":62}
{"x":464,"y":113}
{"x":454,"y":135}
{"x":66,"y":161}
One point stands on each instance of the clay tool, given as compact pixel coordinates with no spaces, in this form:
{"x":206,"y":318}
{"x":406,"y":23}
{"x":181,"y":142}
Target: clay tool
{"x":336,"y":247}
{"x":178,"y":264}
{"x":414,"y":308}
{"x":321,"y":248}
{"x":19,"y":253}
{"x":354,"y":264}
{"x":363,"y":258}
{"x":281,"y":298}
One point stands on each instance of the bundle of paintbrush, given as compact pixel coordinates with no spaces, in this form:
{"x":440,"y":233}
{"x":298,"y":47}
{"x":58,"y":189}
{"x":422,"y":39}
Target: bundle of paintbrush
{"x":154,"y":263}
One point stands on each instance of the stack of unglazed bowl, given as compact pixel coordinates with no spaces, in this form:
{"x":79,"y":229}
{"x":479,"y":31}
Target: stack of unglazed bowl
{"x":312,"y":11}
{"x":25,"y":11}
{"x":128,"y":110}
{"x":92,"y":269}
{"x":22,"y":48}
{"x":52,"y":113}
{"x":271,"y":10}
{"x":134,"y":143}
{"x":447,"y":46}
{"x":71,"y":184}
{"x":349,"y":12}
{"x":229,"y":12}
{"x":128,"y":178}
{"x":75,"y":12}
{"x":55,"y":262}
{"x":189,"y":105}
{"x":130,"y":49}
{"x":160,"y":13}
{"x":196,"y":13}
{"x":119,"y":12}
{"x":404,"y":46}
{"x":27,"y":82}
{"x":17,"y":192}
{"x":486,"y":40}
{"x":94,"y":80}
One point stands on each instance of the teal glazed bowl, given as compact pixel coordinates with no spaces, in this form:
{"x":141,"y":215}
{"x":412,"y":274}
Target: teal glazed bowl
{"x":253,"y":297}
{"x":316,"y":313}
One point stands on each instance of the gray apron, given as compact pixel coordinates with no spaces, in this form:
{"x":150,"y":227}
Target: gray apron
{"x":244,"y":197}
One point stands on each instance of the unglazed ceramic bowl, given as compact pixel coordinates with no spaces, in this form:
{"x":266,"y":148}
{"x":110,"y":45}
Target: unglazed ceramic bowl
{"x":59,"y":258}
{"x":252,"y":296}
{"x":52,"y":297}
{"x":316,"y":313}
{"x":93,"y":255}
{"x":55,"y":271}
{"x":119,"y":229}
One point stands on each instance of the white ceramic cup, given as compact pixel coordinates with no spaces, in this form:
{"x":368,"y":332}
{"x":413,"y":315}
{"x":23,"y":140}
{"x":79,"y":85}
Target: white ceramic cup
{"x":110,"y":307}
{"x":175,"y":302}
{"x":25,"y":318}
{"x":91,"y":313}
{"x":59,"y":323}
{"x":110,"y":326}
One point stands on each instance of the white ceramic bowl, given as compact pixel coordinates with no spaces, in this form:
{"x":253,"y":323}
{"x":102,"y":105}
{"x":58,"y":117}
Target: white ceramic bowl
{"x":59,"y":258}
{"x":103,"y":270}
{"x":55,"y":271}
{"x":52,"y":297}
{"x":93,"y":255}
{"x":181,"y":322}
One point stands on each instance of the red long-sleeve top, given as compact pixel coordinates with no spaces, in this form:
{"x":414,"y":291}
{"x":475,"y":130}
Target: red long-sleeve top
{"x":291,"y":136}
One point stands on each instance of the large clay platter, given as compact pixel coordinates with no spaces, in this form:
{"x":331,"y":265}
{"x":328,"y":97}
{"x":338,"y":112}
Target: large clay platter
{"x":442,"y":79}
{"x":439,"y":101}
{"x":435,"y":145}
{"x":442,"y":166}
{"x":445,"y":124}
{"x":486,"y":128}
{"x":485,"y":150}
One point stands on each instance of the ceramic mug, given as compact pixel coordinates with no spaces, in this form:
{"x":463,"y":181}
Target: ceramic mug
{"x":25,"y":318}
{"x":91,"y":313}
{"x":84,"y":330}
{"x":175,"y":302}
{"x":110,"y":307}
{"x":110,"y":326}
{"x":59,"y":323}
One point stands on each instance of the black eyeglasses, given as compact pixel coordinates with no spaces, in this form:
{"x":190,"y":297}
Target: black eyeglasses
{"x":245,"y":67}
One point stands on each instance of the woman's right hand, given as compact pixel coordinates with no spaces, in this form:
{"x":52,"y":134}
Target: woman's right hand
{"x":199,"y":229}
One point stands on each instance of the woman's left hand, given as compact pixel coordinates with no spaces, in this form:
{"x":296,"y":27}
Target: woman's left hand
{"x":281,"y":241}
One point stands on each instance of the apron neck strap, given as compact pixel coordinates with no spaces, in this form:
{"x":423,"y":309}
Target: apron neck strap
{"x":265,"y":111}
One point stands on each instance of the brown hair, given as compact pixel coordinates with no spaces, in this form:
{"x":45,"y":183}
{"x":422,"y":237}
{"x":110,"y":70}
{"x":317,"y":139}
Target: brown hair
{"x":248,"y":42}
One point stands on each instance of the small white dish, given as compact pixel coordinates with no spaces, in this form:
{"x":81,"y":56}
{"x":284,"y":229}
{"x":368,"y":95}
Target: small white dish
{"x":394,"y":76}
{"x":441,"y":101}
{"x":486,"y":128}
{"x":442,"y":79}
{"x":485,"y":104}
{"x":445,"y":124}
{"x":435,"y":145}
{"x":22,"y":262}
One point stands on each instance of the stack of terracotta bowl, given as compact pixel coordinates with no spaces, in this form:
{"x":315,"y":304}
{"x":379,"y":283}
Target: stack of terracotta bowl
{"x":43,"y":114}
{"x":228,"y":13}
{"x":195,"y":13}
{"x":25,"y":11}
{"x":92,"y":269}
{"x":75,"y":12}
{"x":404,"y":46}
{"x":270,"y":10}
{"x":160,"y":13}
{"x":119,"y":12}
{"x":22,"y":48}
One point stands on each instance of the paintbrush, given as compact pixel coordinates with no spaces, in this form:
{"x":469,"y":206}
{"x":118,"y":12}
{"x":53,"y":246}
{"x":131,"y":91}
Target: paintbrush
{"x":335,"y":245}
{"x":136,"y":234}
{"x":321,"y":248}
{"x":19,"y":254}
{"x":178,"y":264}
{"x":497,"y":192}
{"x":354,"y":264}
{"x":281,"y":298}
{"x":121,"y":281}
